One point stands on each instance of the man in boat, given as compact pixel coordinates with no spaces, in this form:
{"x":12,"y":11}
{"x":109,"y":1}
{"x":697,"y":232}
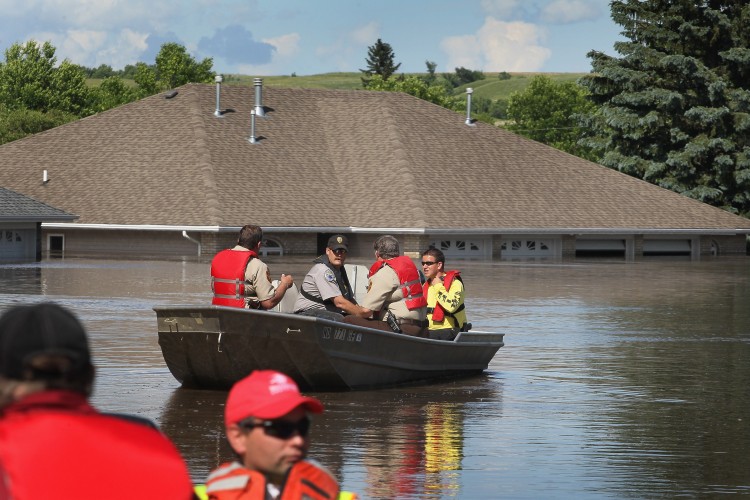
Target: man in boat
{"x":395,"y":300}
{"x":267,"y":422}
{"x":53,"y":443}
{"x":444,"y":290}
{"x":326,"y":291}
{"x":240,"y":279}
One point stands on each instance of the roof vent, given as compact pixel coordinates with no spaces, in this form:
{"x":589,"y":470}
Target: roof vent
{"x":170,"y":94}
{"x":252,"y":139}
{"x":218,"y":79}
{"x":259,"y":109}
{"x":469,"y":121}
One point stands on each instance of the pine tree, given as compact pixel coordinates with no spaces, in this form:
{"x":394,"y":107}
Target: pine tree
{"x":675,"y":108}
{"x":380,"y":61}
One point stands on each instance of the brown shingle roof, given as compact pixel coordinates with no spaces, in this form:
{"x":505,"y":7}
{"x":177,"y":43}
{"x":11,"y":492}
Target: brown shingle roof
{"x":328,"y":158}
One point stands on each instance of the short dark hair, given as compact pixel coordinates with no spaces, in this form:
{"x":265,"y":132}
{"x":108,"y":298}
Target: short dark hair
{"x":387,"y":246}
{"x":250,"y":236}
{"x":435,"y":253}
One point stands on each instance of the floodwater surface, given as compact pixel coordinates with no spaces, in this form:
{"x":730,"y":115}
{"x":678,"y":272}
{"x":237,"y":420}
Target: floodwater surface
{"x":617,"y":380}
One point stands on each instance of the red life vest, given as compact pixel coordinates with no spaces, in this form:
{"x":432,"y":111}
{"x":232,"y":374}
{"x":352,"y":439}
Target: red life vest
{"x":53,"y":444}
{"x":228,"y":277}
{"x":438,"y":313}
{"x":408,"y":278}
{"x":305,"y":479}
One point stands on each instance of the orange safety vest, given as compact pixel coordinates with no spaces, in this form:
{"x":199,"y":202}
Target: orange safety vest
{"x":408,"y":278}
{"x":305,"y":479}
{"x":228,"y":277}
{"x":438,"y":313}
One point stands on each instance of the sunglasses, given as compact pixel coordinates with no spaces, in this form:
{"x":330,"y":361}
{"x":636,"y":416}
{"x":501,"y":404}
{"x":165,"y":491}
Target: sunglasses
{"x":280,"y":429}
{"x":425,"y":263}
{"x":339,"y":251}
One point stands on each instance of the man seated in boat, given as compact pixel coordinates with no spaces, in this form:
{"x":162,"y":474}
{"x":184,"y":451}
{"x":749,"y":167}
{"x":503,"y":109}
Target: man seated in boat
{"x":240,"y":279}
{"x":446,"y":313}
{"x":267,"y":423}
{"x":326,"y":291}
{"x":395,"y":300}
{"x":53,"y":443}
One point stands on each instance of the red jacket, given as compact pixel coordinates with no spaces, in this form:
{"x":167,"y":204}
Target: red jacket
{"x":53,"y":444}
{"x":232,"y":481}
{"x":408,"y":277}
{"x":228,"y":277}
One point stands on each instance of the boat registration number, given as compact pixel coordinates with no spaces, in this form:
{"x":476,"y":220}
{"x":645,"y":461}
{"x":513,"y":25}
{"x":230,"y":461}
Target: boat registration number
{"x":343,"y":334}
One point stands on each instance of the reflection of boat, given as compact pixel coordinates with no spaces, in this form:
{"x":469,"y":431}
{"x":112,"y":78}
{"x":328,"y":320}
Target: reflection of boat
{"x":215,"y":346}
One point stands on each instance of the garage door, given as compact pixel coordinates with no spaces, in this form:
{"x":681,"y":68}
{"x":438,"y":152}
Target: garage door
{"x":463,"y":247}
{"x":16,"y":244}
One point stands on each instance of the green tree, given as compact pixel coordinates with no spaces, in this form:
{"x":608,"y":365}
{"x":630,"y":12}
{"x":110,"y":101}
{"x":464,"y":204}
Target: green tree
{"x":675,"y":107}
{"x":112,"y":92}
{"x":29,"y":79}
{"x":415,"y":86}
{"x":380,"y":61}
{"x":18,"y":123}
{"x":547,"y":112}
{"x":174,"y":67}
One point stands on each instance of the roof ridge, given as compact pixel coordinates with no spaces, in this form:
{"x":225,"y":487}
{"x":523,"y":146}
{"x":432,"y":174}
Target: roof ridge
{"x":203,"y":153}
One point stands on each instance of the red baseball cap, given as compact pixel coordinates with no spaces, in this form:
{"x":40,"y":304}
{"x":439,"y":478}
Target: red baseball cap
{"x":266,"y":394}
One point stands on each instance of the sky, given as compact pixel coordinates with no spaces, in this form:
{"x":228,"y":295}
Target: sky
{"x":306,"y":37}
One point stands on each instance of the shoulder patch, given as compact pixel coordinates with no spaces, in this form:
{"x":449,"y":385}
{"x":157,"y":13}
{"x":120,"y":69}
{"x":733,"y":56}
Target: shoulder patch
{"x":329,"y":276}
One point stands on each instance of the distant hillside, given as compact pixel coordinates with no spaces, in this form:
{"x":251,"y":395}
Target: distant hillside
{"x":491,"y":87}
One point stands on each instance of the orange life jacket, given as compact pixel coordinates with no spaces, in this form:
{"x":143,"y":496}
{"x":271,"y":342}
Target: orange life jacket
{"x":305,"y":479}
{"x":438,"y":313}
{"x":408,"y":278}
{"x":228,"y":277}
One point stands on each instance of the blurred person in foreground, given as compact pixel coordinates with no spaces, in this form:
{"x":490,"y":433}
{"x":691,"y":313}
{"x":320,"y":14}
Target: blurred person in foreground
{"x":326,"y":291}
{"x":395,"y":298}
{"x":53,"y":443}
{"x":240,"y":279}
{"x":444,"y":290}
{"x":267,"y":422}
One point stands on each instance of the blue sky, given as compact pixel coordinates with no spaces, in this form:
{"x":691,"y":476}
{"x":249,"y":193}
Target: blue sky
{"x":280,"y":37}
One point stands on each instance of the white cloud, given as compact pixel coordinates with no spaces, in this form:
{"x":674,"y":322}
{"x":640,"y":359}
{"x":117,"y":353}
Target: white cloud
{"x":366,"y":35}
{"x":498,"y":46}
{"x":286,"y":45}
{"x":571,"y":11}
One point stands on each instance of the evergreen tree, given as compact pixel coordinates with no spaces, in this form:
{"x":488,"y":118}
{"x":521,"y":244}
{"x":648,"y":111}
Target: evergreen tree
{"x":380,"y":61}
{"x":675,"y":108}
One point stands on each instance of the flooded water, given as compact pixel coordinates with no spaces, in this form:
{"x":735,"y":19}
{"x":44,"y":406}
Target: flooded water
{"x":617,"y":380}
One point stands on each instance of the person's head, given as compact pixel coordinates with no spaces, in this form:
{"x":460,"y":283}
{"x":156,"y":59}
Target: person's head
{"x":267,"y":422}
{"x":250,"y":236}
{"x":433,"y":262}
{"x":336,"y":250}
{"x":43,"y":346}
{"x":386,"y":247}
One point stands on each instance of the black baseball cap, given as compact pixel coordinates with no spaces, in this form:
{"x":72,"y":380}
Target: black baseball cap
{"x":47,"y":328}
{"x":338,"y":241}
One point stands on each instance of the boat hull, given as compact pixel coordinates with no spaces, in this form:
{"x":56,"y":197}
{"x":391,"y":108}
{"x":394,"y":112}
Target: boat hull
{"x":213,"y":347}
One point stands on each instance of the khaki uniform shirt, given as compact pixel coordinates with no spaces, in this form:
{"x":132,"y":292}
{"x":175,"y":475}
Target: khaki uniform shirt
{"x":385,"y":294}
{"x":258,"y":285}
{"x":319,"y":282}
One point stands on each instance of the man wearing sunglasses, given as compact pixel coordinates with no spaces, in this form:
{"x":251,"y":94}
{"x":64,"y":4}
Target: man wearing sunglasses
{"x":326,"y":291}
{"x":267,"y":423}
{"x":445,"y":297}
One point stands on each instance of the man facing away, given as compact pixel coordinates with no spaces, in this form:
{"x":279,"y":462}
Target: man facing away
{"x":240,"y":279}
{"x":395,"y":298}
{"x":326,"y":291}
{"x":53,"y":443}
{"x":444,"y":290}
{"x":267,"y":422}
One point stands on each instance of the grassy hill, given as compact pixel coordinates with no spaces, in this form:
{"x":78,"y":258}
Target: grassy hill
{"x":491,"y":87}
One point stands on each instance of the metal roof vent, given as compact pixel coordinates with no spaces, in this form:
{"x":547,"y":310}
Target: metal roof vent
{"x":252,"y":139}
{"x":170,"y":94}
{"x":259,"y":109}
{"x":469,"y":121}
{"x":218,"y":79}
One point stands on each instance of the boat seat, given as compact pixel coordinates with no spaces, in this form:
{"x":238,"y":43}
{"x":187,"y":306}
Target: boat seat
{"x":286,"y":305}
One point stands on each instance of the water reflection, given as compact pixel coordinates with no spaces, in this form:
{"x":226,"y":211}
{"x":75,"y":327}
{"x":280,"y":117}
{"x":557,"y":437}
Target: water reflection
{"x":617,"y":380}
